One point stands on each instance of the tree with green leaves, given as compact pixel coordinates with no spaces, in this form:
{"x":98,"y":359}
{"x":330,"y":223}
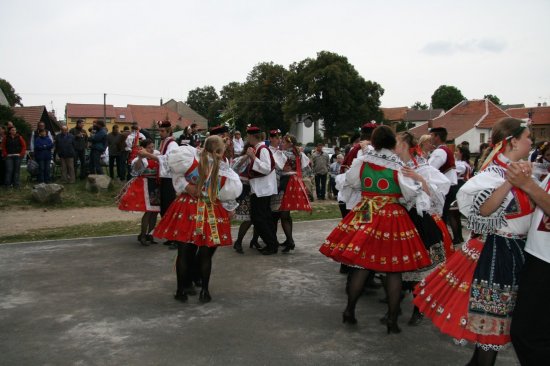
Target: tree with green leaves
{"x":492,"y":98}
{"x":200,"y":99}
{"x":12,"y":97}
{"x":328,"y":87}
{"x":446,"y":97}
{"x":419,"y":106}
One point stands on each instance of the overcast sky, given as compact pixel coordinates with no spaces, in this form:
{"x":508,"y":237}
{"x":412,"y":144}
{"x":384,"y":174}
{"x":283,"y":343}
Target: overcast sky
{"x":73,"y":51}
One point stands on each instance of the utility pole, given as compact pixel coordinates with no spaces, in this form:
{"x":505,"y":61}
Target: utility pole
{"x":105,"y":108}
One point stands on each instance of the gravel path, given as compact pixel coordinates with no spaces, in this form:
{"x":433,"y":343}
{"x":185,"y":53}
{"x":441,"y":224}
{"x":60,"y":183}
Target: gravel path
{"x":21,"y":221}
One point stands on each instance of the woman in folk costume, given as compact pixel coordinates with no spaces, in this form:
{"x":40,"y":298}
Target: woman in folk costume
{"x":142,"y":192}
{"x":378,"y":233}
{"x":242,"y":212}
{"x":463,"y":173}
{"x":294,"y":192}
{"x":472,"y":296}
{"x":436,"y":185}
{"x":199,"y":217}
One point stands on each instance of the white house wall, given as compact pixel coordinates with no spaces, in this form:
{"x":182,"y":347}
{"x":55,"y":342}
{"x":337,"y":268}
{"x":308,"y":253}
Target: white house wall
{"x":473,"y":137}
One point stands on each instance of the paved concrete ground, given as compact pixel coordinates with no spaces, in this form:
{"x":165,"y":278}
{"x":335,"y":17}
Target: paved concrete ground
{"x":108,"y":301}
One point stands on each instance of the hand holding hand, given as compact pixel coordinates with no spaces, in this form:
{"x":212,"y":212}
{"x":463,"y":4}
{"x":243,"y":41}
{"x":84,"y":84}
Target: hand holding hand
{"x":251,"y":152}
{"x":519,"y":174}
{"x":191,"y":189}
{"x":411,"y":173}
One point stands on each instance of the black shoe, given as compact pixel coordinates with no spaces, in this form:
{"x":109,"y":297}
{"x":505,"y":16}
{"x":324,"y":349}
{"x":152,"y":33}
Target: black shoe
{"x":269,"y":251}
{"x":168,"y":242}
{"x":150,"y":239}
{"x":384,"y":319}
{"x":180,"y":296}
{"x":288,"y":247}
{"x":238,"y":247}
{"x":173,"y":246}
{"x":204,"y":296}
{"x":348,"y":318}
{"x":393,"y":327}
{"x":190,"y":291}
{"x":416,"y":318}
{"x":141,"y":239}
{"x":255,"y":244}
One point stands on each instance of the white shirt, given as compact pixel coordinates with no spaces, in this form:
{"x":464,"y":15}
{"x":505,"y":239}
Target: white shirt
{"x":164,"y":169}
{"x":238,"y":146}
{"x":130,"y":140}
{"x":538,"y":238}
{"x":437,"y":159}
{"x":266,"y":185}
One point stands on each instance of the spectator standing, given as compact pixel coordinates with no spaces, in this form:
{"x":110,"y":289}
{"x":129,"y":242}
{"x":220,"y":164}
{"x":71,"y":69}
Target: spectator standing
{"x":80,"y":146}
{"x":334,"y":170}
{"x":3,"y":133}
{"x":13,"y":150}
{"x":64,"y":148}
{"x":43,"y":146}
{"x":115,"y":156}
{"x":34,"y":135}
{"x":238,"y":143}
{"x":98,"y":145}
{"x":320,"y":161}
{"x":123,"y":153}
{"x":195,"y":138}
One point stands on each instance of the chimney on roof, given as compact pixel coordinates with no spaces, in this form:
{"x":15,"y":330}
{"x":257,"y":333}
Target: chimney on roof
{"x":544,"y":104}
{"x":161,"y":102}
{"x":538,"y":104}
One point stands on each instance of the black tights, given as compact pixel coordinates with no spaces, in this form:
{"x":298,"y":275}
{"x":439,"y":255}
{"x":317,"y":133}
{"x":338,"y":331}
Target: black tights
{"x":187,"y":254}
{"x":148,"y":222}
{"x":393,"y":285}
{"x":355,"y":288}
{"x":483,"y":358}
{"x":243,"y":229}
{"x":456,"y":226}
{"x":286,"y":224}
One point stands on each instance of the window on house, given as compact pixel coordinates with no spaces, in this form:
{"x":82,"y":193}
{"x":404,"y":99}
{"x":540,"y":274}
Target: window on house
{"x":481,"y":138}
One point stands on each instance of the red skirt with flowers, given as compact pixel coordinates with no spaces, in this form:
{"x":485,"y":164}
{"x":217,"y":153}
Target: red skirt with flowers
{"x":471,"y":297}
{"x":140,"y":194}
{"x":447,"y":240}
{"x":190,"y":220}
{"x":388,"y":242}
{"x":295,"y":196}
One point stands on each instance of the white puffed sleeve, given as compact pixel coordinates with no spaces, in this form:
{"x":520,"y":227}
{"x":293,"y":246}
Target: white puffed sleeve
{"x":280,"y":159}
{"x":305,"y":160}
{"x":353,"y":175}
{"x":231,"y":189}
{"x":413,"y":194}
{"x":473,"y":194}
{"x":138,"y":170}
{"x":438,"y":185}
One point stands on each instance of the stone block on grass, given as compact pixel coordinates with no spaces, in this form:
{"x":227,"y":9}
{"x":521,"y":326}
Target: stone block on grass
{"x":96,"y":183}
{"x":47,"y":193}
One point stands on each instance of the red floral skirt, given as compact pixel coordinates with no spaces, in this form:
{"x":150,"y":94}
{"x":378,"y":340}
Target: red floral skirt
{"x":189,"y":220}
{"x":388,"y":243}
{"x":448,"y":295}
{"x":140,"y":194}
{"x":295,"y":196}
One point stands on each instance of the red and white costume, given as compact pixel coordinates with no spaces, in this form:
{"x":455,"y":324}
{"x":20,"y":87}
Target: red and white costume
{"x":142,"y":192}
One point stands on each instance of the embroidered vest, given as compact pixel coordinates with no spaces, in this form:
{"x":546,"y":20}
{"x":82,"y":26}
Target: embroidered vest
{"x":379,"y":180}
{"x":450,"y":162}
{"x":254,"y":174}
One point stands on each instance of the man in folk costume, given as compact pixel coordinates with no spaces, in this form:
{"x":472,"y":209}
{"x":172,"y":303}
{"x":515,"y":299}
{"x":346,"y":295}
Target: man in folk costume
{"x":531,"y":320}
{"x":167,"y":192}
{"x":360,"y":148}
{"x":442,"y":158}
{"x":263,"y":185}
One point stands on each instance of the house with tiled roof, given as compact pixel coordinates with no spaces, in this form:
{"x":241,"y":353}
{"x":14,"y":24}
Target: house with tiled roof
{"x":89,"y":113}
{"x":394,"y":115}
{"x":145,"y":115}
{"x":187,"y":113}
{"x":34,"y":114}
{"x":418,"y":117}
{"x":469,"y":120}
{"x":540,"y":120}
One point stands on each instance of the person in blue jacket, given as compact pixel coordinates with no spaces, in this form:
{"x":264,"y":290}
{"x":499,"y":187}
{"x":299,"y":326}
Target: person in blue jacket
{"x":98,"y":142}
{"x":43,"y":146}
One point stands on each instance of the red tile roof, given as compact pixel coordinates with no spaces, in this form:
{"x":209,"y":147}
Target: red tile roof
{"x":540,"y":116}
{"x":146,"y":115}
{"x":394,"y":114}
{"x":88,"y":111}
{"x":123,"y":115}
{"x":464,"y":116}
{"x":33,"y":115}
